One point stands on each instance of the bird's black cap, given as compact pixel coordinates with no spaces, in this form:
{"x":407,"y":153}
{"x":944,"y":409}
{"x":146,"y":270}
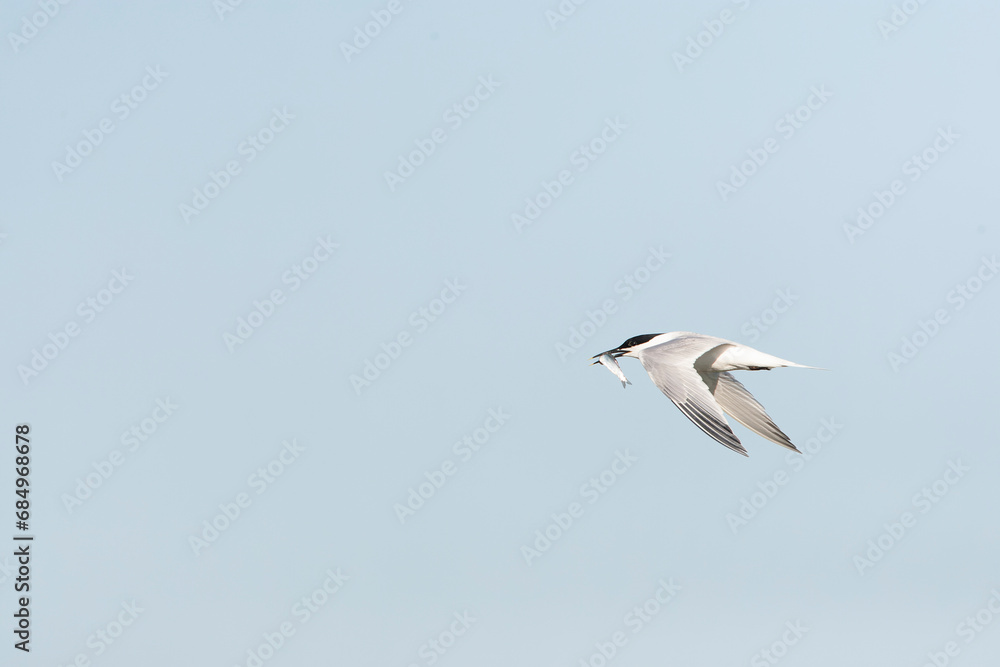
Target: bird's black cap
{"x":637,"y":340}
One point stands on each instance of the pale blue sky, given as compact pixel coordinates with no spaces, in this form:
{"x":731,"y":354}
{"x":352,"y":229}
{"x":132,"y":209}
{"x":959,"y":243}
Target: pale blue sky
{"x":289,"y":141}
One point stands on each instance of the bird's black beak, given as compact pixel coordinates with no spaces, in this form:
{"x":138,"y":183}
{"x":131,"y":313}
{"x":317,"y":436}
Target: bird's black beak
{"x":615,"y":353}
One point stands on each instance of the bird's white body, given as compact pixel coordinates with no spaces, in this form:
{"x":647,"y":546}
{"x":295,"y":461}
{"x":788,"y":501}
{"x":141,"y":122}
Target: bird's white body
{"x":725,"y":354}
{"x":693,"y":371}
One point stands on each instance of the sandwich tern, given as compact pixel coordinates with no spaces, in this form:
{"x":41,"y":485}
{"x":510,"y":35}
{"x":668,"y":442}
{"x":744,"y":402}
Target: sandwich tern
{"x":693,"y":371}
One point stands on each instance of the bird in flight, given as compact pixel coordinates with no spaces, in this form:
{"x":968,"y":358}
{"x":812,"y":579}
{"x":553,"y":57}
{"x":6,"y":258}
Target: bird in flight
{"x":693,"y":371}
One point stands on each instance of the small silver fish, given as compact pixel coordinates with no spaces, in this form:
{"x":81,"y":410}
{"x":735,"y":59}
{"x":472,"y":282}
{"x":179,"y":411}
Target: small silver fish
{"x":612,"y":365}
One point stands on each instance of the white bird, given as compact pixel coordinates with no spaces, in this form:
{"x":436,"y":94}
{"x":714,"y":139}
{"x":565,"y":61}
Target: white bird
{"x":693,"y":371}
{"x":612,"y":365}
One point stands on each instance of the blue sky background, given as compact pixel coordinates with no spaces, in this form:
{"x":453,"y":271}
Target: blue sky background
{"x":362,"y":448}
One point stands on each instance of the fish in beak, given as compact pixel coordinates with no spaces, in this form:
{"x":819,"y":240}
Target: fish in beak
{"x":608,"y":360}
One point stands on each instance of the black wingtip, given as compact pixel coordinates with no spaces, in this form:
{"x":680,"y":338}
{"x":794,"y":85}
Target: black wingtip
{"x":738,"y":447}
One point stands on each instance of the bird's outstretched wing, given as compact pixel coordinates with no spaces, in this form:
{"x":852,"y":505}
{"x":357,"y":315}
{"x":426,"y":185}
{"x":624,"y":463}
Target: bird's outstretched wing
{"x":737,"y":402}
{"x":671,"y":367}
